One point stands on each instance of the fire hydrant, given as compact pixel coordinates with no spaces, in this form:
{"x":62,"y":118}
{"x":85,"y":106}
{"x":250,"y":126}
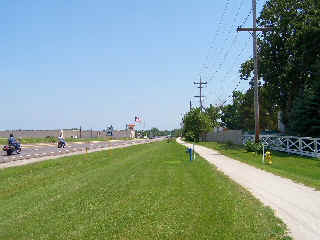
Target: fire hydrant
{"x":268,"y":158}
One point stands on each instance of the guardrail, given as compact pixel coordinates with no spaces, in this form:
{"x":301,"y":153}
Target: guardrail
{"x":305,"y":146}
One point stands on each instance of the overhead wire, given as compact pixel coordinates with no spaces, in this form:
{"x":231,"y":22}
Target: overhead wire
{"x":223,"y":53}
{"x":231,"y":29}
{"x":226,"y":54}
{"x":239,"y":81}
{"x":217,"y":33}
{"x":234,"y":40}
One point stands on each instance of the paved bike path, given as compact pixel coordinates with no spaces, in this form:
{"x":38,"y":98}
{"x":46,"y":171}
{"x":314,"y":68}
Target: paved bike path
{"x":297,"y":205}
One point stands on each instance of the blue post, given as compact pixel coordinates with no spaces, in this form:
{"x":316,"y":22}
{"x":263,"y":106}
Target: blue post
{"x":189,"y":150}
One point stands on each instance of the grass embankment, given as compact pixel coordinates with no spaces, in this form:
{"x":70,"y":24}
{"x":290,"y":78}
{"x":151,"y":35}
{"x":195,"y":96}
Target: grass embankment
{"x":142,"y":192}
{"x":4,"y":141}
{"x":300,"y":169}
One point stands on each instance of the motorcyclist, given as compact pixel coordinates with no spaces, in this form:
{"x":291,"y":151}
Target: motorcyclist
{"x":61,"y":139}
{"x":13,"y":142}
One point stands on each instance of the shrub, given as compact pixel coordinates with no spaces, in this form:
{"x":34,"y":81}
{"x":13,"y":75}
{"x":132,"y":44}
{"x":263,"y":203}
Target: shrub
{"x":254,"y":147}
{"x":229,"y":143}
{"x":51,"y":139}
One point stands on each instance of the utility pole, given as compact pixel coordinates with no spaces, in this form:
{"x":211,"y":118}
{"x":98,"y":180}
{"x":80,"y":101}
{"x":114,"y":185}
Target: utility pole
{"x":190,"y":105}
{"x":254,"y":31}
{"x":200,"y":87}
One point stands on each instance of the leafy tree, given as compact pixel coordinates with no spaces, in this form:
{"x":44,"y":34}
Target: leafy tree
{"x":231,"y":114}
{"x":214,"y":113}
{"x":305,"y":114}
{"x":196,"y":124}
{"x":287,"y":54}
{"x":176,"y":132}
{"x":240,"y":114}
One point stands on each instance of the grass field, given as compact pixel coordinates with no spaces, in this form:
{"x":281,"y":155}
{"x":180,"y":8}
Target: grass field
{"x":147,"y":191}
{"x":300,"y":169}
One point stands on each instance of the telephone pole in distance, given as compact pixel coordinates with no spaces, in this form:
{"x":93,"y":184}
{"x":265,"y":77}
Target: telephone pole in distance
{"x":200,"y":87}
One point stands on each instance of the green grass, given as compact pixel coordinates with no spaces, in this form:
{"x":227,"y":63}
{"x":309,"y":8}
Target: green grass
{"x":4,"y":141}
{"x":300,"y":169}
{"x":142,"y":192}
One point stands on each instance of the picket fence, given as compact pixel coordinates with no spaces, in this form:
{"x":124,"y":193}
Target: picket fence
{"x":306,"y":146}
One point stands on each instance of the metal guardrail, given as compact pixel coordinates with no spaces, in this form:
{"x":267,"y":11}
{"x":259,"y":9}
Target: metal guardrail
{"x":305,"y":146}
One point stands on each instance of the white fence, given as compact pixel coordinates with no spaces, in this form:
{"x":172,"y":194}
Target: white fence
{"x":306,"y":146}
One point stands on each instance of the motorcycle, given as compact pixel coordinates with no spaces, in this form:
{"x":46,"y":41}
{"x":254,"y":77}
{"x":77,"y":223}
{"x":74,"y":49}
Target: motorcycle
{"x":61,"y":143}
{"x":11,"y":149}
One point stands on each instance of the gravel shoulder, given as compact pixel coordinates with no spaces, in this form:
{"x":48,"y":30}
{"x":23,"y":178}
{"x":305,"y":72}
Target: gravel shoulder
{"x":297,"y":205}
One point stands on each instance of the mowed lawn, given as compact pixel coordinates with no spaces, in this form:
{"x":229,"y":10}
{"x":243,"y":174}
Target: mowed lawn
{"x":147,"y":191}
{"x":301,"y":169}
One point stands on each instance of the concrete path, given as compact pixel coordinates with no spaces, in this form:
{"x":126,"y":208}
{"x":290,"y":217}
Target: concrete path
{"x":297,"y":205}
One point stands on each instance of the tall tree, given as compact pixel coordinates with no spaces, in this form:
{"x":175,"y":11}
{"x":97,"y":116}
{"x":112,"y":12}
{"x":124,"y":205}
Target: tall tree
{"x":231,"y":113}
{"x":288,"y":52}
{"x":240,"y":114}
{"x":305,"y":114}
{"x":214,"y":113}
{"x":196,"y":124}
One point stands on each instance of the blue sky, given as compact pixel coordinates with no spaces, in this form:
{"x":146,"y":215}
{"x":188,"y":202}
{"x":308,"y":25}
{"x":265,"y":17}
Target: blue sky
{"x":69,"y":63}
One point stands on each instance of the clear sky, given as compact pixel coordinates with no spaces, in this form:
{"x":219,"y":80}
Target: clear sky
{"x":91,"y":63}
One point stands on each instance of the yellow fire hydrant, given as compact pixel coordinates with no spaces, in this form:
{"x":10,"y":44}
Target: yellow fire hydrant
{"x":268,"y":157}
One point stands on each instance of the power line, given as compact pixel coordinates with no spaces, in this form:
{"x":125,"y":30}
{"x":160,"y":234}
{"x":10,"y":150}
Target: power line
{"x":225,"y":52}
{"x":234,"y":40}
{"x":210,"y":77}
{"x":217,"y":33}
{"x":236,"y":59}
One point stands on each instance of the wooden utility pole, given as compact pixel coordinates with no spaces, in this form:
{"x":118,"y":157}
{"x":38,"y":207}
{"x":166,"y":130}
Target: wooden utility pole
{"x":200,"y":87}
{"x":254,"y":31}
{"x":190,"y":105}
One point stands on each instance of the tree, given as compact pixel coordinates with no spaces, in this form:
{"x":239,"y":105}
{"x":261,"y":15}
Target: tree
{"x":305,"y":114}
{"x":214,"y":113}
{"x":240,"y":114}
{"x":287,"y":53}
{"x":231,"y":117}
{"x":196,"y":124}
{"x":176,"y":132}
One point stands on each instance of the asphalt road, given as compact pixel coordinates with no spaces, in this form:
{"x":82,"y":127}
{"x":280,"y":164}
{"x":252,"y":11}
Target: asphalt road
{"x":33,"y":151}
